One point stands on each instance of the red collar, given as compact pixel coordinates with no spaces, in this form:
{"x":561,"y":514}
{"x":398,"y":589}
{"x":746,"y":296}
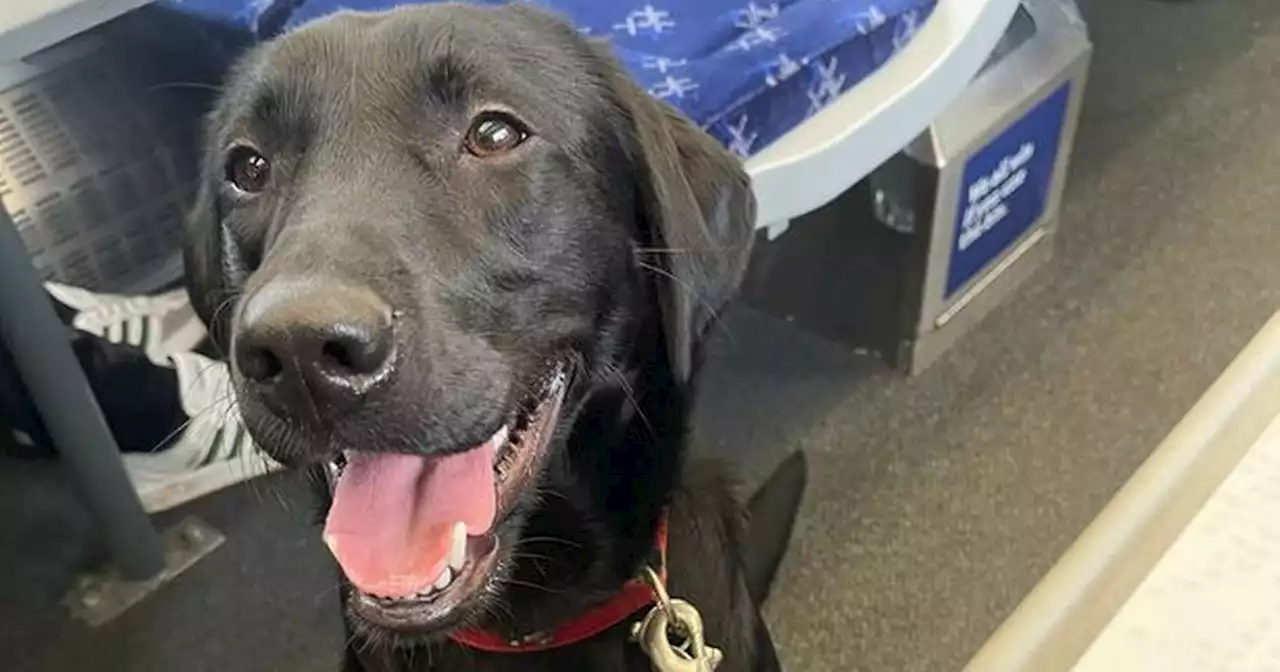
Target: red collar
{"x":634,"y":596}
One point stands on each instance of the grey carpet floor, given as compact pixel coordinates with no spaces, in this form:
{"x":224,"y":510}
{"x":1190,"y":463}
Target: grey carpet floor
{"x":936,"y":501}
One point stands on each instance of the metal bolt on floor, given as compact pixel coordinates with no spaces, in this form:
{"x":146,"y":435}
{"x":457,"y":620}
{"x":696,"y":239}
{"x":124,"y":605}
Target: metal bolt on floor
{"x":99,"y":598}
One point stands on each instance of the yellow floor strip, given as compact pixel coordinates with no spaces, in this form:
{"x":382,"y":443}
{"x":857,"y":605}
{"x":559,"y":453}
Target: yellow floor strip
{"x":1086,"y":612}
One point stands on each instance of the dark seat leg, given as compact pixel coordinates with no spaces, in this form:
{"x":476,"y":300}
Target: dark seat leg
{"x":42,"y":353}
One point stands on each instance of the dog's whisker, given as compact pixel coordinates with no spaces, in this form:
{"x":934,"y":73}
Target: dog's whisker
{"x":204,"y":370}
{"x":520,"y":555}
{"x":662,"y":250}
{"x":655,"y":252}
{"x":550,"y":540}
{"x":683,"y":285}
{"x":548,"y":492}
{"x":203,"y":86}
{"x":182,"y":427}
{"x":534,"y":586}
{"x":162,"y":443}
{"x":507,"y":611}
{"x":224,"y":304}
{"x":629,"y":391}
{"x":257,"y":487}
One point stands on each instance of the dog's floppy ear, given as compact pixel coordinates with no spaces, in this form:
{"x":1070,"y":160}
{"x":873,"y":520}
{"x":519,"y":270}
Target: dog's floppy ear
{"x":202,"y":257}
{"x":215,"y":269}
{"x":699,"y":214}
{"x":210,"y":256}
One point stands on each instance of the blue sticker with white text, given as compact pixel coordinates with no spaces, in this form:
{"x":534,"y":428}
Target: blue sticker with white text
{"x":1005,"y":188}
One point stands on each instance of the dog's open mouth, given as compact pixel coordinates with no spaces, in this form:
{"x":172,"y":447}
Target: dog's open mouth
{"x":415,"y":535}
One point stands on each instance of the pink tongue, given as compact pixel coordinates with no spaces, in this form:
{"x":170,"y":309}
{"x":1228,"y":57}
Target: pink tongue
{"x":391,"y":523}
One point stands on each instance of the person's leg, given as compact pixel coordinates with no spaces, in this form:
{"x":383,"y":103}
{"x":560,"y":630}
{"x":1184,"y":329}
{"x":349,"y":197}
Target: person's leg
{"x":172,"y":412}
{"x":139,"y":399}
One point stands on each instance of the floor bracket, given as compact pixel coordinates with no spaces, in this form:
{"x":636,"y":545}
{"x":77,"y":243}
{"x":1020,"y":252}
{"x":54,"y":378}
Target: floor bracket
{"x":100,"y":597}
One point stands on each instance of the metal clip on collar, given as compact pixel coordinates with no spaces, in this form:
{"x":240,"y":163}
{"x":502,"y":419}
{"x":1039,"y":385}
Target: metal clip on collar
{"x":671,"y":634}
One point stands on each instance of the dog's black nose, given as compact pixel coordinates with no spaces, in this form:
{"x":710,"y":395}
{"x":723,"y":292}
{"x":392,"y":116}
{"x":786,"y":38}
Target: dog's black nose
{"x":312,"y":350}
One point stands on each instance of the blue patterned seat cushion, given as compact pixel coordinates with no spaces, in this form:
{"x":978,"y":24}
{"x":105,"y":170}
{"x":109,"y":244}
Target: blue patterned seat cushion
{"x":748,"y":71}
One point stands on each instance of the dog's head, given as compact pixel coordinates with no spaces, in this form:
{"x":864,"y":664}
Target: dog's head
{"x":424,"y":236}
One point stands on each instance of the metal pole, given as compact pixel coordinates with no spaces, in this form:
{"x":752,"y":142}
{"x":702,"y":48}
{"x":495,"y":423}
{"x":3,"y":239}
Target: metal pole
{"x":42,"y":353}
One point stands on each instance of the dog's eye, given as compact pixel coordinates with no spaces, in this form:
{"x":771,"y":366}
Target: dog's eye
{"x":494,"y":133}
{"x":247,"y":170}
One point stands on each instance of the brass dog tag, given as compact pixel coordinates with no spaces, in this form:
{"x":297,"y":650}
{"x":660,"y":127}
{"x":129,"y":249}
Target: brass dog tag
{"x":671,"y":636}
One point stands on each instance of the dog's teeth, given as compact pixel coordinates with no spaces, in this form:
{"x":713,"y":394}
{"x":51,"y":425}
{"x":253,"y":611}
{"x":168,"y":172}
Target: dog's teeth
{"x":446,"y":577}
{"x":458,"y":552}
{"x":500,"y":437}
{"x":499,"y":443}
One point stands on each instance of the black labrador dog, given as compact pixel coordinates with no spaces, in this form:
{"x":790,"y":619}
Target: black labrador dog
{"x":464,"y":268}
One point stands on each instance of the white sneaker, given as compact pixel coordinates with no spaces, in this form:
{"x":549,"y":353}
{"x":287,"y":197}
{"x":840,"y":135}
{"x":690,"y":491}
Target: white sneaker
{"x":212,"y":451}
{"x":160,"y":324}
